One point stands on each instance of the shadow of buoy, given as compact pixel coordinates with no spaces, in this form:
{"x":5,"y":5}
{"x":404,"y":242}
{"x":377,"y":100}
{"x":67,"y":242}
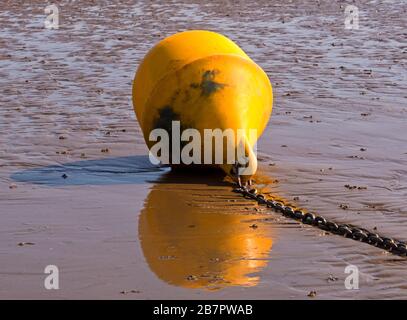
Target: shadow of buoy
{"x":107,"y":171}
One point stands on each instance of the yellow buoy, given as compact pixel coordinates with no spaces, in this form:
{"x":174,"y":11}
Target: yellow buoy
{"x":205,"y":81}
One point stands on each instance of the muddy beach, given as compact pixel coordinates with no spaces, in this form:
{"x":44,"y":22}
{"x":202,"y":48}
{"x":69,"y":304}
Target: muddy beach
{"x":77,"y":189}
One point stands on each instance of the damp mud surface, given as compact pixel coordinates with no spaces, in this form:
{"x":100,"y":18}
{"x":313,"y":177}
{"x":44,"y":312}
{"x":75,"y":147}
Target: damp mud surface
{"x":78,"y":191}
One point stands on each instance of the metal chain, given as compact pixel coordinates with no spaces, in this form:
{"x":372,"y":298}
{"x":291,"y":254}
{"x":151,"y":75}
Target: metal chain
{"x":348,"y":231}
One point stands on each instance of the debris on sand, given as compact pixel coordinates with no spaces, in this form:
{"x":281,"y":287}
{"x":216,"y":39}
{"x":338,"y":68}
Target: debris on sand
{"x":21,"y":244}
{"x":312,"y":294}
{"x":356,"y":157}
{"x":332,"y":278}
{"x":130,"y":291}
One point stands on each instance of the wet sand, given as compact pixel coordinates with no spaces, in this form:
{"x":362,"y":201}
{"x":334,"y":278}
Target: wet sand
{"x":118,"y":227}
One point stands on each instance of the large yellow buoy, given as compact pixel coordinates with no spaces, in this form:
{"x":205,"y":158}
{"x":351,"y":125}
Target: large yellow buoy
{"x":205,"y":81}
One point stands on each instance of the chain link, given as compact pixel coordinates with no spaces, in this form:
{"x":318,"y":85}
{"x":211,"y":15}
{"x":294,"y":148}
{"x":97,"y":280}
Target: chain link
{"x":348,"y":231}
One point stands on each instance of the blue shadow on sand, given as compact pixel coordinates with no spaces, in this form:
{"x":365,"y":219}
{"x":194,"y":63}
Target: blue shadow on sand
{"x":108,"y":171}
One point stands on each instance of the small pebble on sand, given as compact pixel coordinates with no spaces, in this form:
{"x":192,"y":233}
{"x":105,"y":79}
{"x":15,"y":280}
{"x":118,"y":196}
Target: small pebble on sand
{"x":331,"y":278}
{"x":129,"y":291}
